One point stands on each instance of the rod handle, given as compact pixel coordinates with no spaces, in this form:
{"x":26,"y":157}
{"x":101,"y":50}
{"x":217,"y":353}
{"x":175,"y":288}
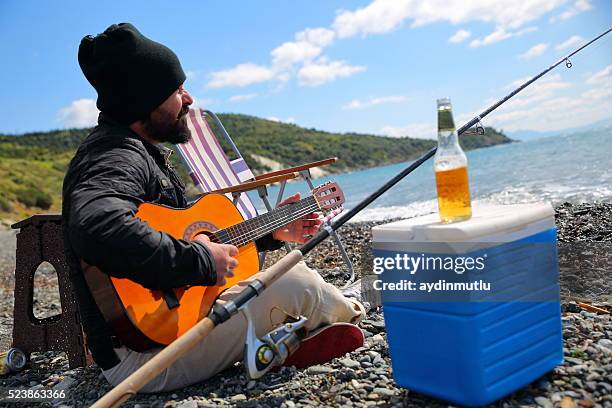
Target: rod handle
{"x":152,"y":368}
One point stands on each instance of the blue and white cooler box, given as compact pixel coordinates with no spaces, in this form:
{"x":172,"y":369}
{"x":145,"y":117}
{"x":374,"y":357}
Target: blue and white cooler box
{"x":471,"y":308}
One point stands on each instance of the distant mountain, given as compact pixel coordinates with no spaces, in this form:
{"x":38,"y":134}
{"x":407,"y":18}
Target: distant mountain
{"x":32,"y":165}
{"x":525,"y":135}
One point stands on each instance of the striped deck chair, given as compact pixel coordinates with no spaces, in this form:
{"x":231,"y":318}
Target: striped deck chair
{"x":208,"y":165}
{"x":211,"y":170}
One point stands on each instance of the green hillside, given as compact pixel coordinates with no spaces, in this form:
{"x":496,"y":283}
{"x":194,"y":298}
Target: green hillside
{"x":291,"y":144}
{"x":32,"y":165}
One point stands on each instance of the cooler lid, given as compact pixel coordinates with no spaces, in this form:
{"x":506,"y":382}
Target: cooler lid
{"x":488,"y":222}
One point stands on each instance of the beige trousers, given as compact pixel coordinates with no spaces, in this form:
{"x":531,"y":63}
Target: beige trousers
{"x":301,"y":291}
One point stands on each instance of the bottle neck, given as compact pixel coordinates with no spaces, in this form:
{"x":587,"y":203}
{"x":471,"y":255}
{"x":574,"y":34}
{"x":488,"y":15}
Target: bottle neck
{"x":447,"y":135}
{"x":447,"y":138}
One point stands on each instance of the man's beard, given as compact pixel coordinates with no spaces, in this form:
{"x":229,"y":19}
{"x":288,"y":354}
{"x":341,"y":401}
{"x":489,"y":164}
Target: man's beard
{"x":164,"y":127}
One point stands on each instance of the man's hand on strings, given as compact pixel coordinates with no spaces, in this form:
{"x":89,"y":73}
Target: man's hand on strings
{"x":299,"y":230}
{"x":223,"y":254}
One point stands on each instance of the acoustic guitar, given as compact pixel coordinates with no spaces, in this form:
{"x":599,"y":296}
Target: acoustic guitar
{"x":143,"y":318}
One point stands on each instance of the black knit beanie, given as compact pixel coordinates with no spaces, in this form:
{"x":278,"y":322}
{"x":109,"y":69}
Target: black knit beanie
{"x":132,"y":74}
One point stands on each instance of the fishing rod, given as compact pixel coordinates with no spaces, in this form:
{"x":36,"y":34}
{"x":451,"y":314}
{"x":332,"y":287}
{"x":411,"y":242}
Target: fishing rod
{"x":223,"y":312}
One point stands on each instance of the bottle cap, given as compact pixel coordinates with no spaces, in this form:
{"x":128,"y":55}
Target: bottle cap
{"x":443,"y":101}
{"x":15,"y":359}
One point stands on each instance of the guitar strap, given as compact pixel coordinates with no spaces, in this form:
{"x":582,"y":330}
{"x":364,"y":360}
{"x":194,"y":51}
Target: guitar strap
{"x":170,"y":298}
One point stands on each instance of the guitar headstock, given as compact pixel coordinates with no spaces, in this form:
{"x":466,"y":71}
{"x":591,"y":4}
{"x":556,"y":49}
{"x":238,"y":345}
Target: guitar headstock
{"x":329,"y":196}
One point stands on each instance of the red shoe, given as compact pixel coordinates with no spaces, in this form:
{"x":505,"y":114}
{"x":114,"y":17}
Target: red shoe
{"x":326,"y":344}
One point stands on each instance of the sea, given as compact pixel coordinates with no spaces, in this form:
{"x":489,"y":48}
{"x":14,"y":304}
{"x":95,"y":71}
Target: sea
{"x":573,"y":168}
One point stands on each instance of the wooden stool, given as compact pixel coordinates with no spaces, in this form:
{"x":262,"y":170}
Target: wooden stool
{"x":40,"y":239}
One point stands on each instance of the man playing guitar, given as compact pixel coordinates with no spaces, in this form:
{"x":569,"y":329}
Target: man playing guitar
{"x":122,"y":165}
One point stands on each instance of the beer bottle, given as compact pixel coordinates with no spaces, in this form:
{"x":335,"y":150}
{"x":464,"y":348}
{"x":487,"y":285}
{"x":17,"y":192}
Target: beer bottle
{"x":450,"y":166}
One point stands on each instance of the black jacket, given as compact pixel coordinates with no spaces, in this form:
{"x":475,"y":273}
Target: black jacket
{"x":112,"y":173}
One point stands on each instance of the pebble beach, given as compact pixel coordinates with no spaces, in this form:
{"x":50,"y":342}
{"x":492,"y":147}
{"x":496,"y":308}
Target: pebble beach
{"x":364,"y":377}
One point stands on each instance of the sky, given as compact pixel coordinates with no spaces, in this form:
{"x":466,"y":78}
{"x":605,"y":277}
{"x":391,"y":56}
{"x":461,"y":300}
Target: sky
{"x":374,"y":66}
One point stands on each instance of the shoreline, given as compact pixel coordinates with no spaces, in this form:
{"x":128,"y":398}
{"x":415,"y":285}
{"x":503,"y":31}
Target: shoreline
{"x":364,"y":377}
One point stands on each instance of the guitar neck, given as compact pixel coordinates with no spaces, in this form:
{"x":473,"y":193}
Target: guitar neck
{"x":254,"y":228}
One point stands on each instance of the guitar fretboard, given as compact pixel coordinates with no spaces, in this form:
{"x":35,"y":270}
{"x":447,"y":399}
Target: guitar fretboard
{"x":250,"y":230}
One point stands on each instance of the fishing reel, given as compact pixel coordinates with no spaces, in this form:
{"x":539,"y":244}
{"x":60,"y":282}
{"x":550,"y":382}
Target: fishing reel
{"x":260,"y":355}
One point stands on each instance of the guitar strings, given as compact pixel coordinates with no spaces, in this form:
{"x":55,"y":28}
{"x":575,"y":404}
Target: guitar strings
{"x":277,"y":214}
{"x":283,"y":216}
{"x":242,"y":239}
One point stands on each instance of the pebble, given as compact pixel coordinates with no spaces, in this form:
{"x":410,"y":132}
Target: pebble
{"x":606,"y":387}
{"x":346,"y":374}
{"x":188,"y":404}
{"x":319,"y":369}
{"x":377,"y":339}
{"x":543,"y":402}
{"x":373,"y":354}
{"x":574,"y":361}
{"x":238,"y":398}
{"x":383,"y":391}
{"x":593,"y":376}
{"x":556,"y":397}
{"x":365,"y":358}
{"x":348,"y":362}
{"x":607,"y":343}
{"x":65,"y":384}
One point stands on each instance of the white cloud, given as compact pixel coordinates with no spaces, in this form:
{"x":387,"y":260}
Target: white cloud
{"x":598,"y":93}
{"x":541,"y":90}
{"x":542,"y":107}
{"x":556,"y":113}
{"x":290,"y":53}
{"x":320,"y":37}
{"x":290,"y":120}
{"x":499,"y":34}
{"x":243,"y":97}
{"x":378,"y":17}
{"x":80,"y":113}
{"x":459,"y":36}
{"x":202,"y":103}
{"x":308,"y":44}
{"x":601,"y":77}
{"x":569,"y":43}
{"x":602,"y":85}
{"x":578,"y":7}
{"x":241,"y":75}
{"x":534,"y":51}
{"x":323,"y":71}
{"x":382,"y":16}
{"x":357,"y":104}
{"x":414,"y":130}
